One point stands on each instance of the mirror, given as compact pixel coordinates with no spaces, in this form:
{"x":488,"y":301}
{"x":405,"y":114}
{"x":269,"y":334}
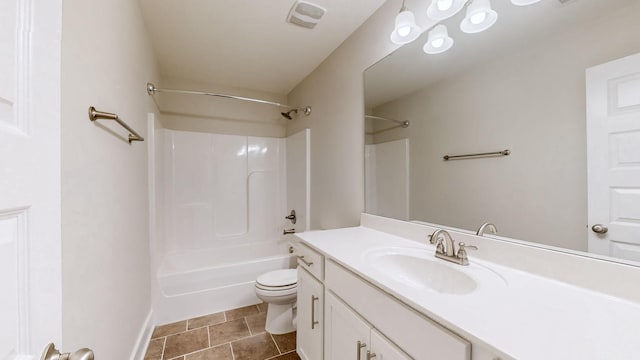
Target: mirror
{"x":519,"y":86}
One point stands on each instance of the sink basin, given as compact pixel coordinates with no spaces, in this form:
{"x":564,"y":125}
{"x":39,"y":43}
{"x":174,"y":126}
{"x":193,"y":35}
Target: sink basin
{"x":419,"y":269}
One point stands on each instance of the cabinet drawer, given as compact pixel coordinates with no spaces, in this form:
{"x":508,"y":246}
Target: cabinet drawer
{"x":310,"y":260}
{"x":417,"y":335}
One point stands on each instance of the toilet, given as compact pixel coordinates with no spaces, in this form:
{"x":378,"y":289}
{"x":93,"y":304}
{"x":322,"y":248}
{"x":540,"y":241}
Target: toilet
{"x":279,"y":290}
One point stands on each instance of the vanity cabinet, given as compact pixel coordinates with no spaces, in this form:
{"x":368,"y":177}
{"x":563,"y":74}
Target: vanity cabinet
{"x":310,"y":308}
{"x":340,"y":315}
{"x":349,"y":337}
{"x":415,"y":334}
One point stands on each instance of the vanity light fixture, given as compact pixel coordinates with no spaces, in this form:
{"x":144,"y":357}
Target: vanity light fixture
{"x":523,"y":2}
{"x":443,"y":9}
{"x":405,"y":30}
{"x":438,"y":41}
{"x":480,"y":16}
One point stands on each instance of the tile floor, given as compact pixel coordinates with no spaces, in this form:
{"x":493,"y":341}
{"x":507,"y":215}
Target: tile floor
{"x":230,"y":335}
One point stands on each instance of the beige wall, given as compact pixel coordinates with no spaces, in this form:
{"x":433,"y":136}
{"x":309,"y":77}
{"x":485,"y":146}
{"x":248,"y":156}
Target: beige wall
{"x":335,"y":91}
{"x":219,"y":115}
{"x":531,"y":102}
{"x":106,"y":62}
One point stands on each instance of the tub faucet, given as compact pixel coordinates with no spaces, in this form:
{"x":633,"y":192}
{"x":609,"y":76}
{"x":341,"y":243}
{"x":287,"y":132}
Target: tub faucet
{"x":487,"y":227}
{"x":288,"y":231}
{"x":445,"y":248}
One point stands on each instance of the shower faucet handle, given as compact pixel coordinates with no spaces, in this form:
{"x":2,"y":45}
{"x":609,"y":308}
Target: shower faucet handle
{"x":292,"y":217}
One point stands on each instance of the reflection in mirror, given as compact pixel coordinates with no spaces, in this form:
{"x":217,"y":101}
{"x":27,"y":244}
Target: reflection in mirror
{"x":532,"y":84}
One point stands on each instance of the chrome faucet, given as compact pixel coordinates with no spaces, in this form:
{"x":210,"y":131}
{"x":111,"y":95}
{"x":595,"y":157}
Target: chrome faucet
{"x":487,"y":227}
{"x":445,"y":250}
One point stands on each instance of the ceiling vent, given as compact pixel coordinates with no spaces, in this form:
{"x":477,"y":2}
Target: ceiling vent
{"x":305,"y":14}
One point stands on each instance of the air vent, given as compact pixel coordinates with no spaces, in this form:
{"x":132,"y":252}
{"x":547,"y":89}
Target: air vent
{"x":305,"y":14}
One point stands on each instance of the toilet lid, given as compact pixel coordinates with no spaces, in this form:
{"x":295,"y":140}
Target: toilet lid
{"x":278,"y":278}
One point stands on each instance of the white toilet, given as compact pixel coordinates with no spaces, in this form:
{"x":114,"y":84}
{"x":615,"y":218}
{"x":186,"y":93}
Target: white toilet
{"x":279,"y":290}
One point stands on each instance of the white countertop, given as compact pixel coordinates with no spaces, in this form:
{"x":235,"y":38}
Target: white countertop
{"x":520,"y":314}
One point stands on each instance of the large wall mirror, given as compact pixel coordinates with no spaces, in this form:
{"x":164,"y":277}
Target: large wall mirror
{"x":519,"y":86}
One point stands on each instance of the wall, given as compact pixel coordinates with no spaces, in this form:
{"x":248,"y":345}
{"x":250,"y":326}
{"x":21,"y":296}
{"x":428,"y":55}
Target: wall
{"x":106,"y":62}
{"x":532,"y":102}
{"x":387,"y":179}
{"x":219,"y":115}
{"x":335,"y":91}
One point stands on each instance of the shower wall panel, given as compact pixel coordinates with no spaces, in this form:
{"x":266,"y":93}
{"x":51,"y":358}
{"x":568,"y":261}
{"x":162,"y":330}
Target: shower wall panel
{"x":222,"y":191}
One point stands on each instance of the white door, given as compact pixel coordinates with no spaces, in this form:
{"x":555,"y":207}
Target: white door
{"x":382,"y":349}
{"x":30,"y":296}
{"x":310,"y":316}
{"x":346,"y":334}
{"x":613,"y":138}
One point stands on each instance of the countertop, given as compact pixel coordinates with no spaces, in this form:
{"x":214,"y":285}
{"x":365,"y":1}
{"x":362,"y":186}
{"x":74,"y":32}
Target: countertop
{"x":521,"y":315}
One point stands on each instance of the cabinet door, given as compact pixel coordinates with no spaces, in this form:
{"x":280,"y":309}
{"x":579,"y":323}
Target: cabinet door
{"x":346,"y":335}
{"x":382,"y":349}
{"x":309,"y":320}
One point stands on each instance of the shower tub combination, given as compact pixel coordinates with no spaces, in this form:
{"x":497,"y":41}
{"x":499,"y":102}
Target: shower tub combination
{"x":220,"y":206}
{"x":212,"y":281}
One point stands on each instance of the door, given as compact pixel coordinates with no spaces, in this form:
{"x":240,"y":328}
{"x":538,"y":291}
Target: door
{"x":310,"y":316}
{"x":30,"y":266}
{"x":346,"y":334}
{"x":613,"y":138}
{"x":382,"y":349}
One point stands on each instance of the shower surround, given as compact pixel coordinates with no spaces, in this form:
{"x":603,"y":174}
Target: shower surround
{"x":220,"y":204}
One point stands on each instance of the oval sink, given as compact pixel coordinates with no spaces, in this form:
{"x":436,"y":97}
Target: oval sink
{"x":421,"y":272}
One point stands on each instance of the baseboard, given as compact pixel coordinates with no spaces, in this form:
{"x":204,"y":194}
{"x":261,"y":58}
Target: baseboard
{"x":142,"y":342}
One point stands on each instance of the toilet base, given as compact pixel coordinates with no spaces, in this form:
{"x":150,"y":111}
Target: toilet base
{"x":280,"y":319}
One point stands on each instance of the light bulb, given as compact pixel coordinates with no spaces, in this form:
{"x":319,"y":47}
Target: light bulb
{"x":444,"y":5}
{"x":404,"y":31}
{"x":478,"y":18}
{"x":437,"y":43}
{"x":440,"y":10}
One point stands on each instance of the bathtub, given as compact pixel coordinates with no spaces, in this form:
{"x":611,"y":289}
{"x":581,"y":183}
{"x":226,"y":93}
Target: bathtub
{"x":208,"y":281}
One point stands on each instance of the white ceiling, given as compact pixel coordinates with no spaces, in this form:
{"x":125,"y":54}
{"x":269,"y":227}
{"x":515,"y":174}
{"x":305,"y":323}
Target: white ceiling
{"x":410,"y":69}
{"x":246,"y":43}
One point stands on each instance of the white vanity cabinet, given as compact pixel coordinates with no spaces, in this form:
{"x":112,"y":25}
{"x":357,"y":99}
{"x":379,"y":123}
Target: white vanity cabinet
{"x":340,"y":315}
{"x":415,"y":334}
{"x":349,"y":337}
{"x":310,"y":308}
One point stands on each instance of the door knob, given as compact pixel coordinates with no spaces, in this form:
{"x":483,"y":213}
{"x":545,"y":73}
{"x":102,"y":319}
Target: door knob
{"x":51,"y":353}
{"x":599,"y":229}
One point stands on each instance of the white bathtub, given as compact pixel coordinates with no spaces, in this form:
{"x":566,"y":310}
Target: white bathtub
{"x":189,"y":285}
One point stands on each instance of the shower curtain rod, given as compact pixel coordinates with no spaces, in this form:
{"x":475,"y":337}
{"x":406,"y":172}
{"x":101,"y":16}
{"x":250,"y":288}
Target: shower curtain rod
{"x":152,"y":89}
{"x":403,"y":124}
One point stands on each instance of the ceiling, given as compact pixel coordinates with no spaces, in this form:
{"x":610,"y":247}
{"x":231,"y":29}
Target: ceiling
{"x":246,"y":43}
{"x":409,"y":69}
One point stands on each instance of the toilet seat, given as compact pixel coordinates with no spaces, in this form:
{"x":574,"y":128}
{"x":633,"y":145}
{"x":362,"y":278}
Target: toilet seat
{"x":278,"y":280}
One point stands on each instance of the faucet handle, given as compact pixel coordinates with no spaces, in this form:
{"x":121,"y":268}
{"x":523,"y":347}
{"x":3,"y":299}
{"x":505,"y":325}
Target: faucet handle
{"x":462,"y":252}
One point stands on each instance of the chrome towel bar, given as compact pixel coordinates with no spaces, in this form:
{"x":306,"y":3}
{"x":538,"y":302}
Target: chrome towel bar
{"x":479,"y":155}
{"x":97,"y":115}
